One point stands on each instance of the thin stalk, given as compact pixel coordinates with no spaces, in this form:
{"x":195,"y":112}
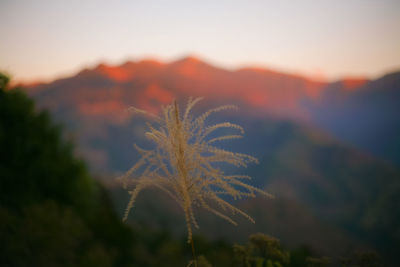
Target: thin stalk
{"x":194,"y":254}
{"x":183,"y":173}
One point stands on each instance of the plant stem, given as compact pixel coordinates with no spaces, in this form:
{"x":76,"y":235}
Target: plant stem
{"x":194,"y":254}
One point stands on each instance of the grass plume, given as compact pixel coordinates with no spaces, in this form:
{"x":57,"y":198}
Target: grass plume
{"x":184,"y":164}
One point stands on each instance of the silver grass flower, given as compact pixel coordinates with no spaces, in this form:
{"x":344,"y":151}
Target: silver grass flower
{"x":184,"y":164}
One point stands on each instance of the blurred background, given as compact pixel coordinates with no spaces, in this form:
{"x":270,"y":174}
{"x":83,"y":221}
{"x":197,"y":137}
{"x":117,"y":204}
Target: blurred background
{"x":317,"y":84}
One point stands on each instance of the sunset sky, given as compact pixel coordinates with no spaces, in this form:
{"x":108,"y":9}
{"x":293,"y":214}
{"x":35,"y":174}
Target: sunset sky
{"x":44,"y":40}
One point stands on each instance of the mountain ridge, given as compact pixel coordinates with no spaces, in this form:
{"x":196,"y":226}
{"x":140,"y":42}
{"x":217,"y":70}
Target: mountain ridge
{"x":336,"y":107}
{"x":192,"y":76}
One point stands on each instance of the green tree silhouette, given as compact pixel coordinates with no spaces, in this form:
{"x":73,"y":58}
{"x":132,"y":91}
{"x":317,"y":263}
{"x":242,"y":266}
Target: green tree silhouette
{"x":261,"y":251}
{"x":52,"y":213}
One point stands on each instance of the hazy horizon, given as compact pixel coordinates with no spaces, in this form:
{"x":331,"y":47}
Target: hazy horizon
{"x":94,"y":64}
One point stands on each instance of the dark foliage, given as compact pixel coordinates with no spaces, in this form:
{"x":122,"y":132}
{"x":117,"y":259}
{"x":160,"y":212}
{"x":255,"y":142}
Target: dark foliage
{"x":52,"y":213}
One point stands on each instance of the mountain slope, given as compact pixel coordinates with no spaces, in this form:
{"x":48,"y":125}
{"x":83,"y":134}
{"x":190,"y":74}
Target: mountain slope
{"x":355,"y":110}
{"x":339,"y":184}
{"x":368,"y":118}
{"x":147,"y":84}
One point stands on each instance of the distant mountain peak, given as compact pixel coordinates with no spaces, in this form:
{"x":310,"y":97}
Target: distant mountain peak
{"x":133,"y":66}
{"x":191,"y":66}
{"x":189,"y":60}
{"x":151,"y":61}
{"x":116,"y":73}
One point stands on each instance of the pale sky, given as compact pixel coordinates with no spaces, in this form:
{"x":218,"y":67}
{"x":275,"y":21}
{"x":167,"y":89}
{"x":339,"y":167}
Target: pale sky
{"x":47,"y":39}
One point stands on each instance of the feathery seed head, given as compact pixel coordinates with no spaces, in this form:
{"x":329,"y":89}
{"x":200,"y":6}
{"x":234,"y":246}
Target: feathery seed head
{"x":184,"y":164}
